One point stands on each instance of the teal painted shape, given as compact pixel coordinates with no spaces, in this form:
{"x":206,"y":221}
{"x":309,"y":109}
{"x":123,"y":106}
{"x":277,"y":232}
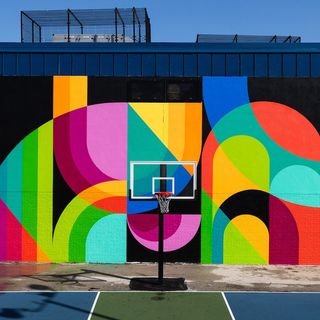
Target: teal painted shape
{"x":143,"y":145}
{"x":220,"y":223}
{"x":106,"y":241}
{"x":297,"y":184}
{"x":13,"y":189}
{"x":242,"y":121}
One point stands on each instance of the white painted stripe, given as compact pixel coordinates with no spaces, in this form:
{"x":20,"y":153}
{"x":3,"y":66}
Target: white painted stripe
{"x":227,"y":304}
{"x":93,"y":306}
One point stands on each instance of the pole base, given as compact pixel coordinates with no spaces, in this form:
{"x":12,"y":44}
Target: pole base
{"x":154,"y":284}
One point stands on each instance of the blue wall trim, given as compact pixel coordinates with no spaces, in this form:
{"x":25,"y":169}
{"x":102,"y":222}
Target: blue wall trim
{"x":166,"y":47}
{"x":160,"y":59}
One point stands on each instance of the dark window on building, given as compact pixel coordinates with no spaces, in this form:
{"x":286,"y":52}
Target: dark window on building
{"x":146,"y":90}
{"x":113,"y":89}
{"x":183,"y":91}
{"x":164,"y":89}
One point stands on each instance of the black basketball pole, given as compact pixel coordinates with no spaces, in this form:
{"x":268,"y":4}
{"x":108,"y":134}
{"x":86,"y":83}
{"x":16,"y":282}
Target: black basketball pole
{"x":160,"y":248}
{"x":163,"y":188}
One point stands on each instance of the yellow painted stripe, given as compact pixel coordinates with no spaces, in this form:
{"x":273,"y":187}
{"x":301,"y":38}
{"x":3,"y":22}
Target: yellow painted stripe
{"x":78,"y":93}
{"x":69,"y":93}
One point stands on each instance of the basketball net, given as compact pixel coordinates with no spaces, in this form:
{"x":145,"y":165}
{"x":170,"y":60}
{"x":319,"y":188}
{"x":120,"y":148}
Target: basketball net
{"x":164,"y":200}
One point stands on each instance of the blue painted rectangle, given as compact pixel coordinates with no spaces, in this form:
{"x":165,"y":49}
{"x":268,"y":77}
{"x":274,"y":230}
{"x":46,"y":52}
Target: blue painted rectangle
{"x":261,"y":65}
{"x":162,"y":65}
{"x":284,"y":306}
{"x":190,"y":65}
{"x":134,"y":65}
{"x":148,"y":65}
{"x":46,"y":305}
{"x":275,"y":65}
{"x":9,"y":64}
{"x":120,"y":65}
{"x":204,"y":64}
{"x":246,"y":65}
{"x":78,"y":64}
{"x":232,"y":64}
{"x":218,"y":64}
{"x":289,"y":65}
{"x":37,"y":65}
{"x":23,"y":64}
{"x":92,"y":64}
{"x":51,"y":64}
{"x":303,"y":65}
{"x":65,"y":64}
{"x":106,"y":64}
{"x":315,"y":65}
{"x":176,"y":65}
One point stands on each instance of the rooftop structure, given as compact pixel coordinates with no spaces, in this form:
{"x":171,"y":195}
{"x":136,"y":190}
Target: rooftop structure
{"x":92,"y":25}
{"x":219,"y":38}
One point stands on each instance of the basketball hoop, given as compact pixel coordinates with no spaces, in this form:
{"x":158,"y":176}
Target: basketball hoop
{"x":164,"y":200}
{"x":160,"y":283}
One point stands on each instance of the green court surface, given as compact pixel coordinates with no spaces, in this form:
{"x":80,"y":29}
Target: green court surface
{"x":160,"y":305}
{"x":52,"y":305}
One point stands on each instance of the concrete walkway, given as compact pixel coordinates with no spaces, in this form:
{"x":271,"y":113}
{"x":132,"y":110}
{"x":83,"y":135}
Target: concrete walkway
{"x":107,"y":277}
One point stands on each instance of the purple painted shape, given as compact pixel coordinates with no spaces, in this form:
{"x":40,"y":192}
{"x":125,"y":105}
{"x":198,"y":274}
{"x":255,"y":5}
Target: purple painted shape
{"x":3,"y":230}
{"x":78,"y":143}
{"x":283,"y":232}
{"x":63,"y":156}
{"x":145,"y":226}
{"x":107,"y":136}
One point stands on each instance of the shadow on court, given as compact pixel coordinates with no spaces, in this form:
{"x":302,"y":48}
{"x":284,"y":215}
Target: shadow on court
{"x":48,"y":305}
{"x":84,"y":275}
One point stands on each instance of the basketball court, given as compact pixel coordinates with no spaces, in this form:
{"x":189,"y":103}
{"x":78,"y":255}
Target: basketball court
{"x":159,"y":305}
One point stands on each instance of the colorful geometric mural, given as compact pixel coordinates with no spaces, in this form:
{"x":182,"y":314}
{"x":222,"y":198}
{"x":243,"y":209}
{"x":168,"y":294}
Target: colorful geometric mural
{"x":65,"y":173}
{"x":260,"y":196}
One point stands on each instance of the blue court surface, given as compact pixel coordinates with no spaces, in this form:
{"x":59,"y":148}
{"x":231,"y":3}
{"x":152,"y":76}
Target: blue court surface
{"x":159,"y":305}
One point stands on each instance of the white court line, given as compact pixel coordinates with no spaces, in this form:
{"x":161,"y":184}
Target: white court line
{"x":126,"y":291}
{"x":227,"y":304}
{"x":94,"y":305}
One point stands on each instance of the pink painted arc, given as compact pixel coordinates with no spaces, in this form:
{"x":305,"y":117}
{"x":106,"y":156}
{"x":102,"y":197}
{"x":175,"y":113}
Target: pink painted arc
{"x":78,"y":144}
{"x":186,"y":231}
{"x":107,"y":130}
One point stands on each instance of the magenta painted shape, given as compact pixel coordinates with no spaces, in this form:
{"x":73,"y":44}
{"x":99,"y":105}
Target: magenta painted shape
{"x":146,"y":225}
{"x":63,"y":156}
{"x":107,"y":136}
{"x":3,"y":230}
{"x":80,"y":154}
{"x":71,"y":153}
{"x":179,"y":229}
{"x":283,"y":232}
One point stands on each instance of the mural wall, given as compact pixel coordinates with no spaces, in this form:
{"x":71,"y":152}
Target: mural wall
{"x":66,"y":146}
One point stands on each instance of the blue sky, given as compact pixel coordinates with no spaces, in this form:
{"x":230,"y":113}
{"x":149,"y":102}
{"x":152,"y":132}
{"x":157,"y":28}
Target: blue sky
{"x":180,"y":21}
